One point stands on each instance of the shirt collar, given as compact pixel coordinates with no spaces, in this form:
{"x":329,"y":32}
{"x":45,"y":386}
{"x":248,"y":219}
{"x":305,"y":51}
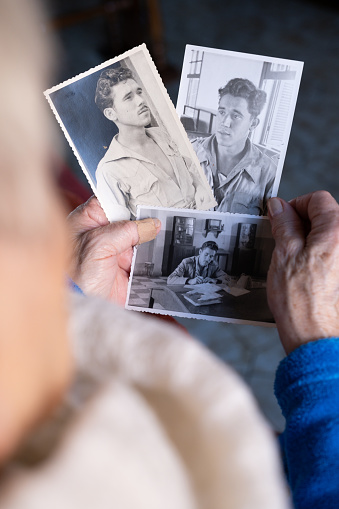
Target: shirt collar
{"x":249,"y":163}
{"x":117,"y":151}
{"x":207,"y":154}
{"x":249,"y":160}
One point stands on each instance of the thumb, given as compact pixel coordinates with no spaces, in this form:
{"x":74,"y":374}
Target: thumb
{"x":148,"y":229}
{"x":288,"y":229}
{"x":120,"y":236}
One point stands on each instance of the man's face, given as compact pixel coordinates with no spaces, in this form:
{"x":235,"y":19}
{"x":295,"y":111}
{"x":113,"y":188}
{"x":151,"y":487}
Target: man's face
{"x":206,"y":256}
{"x":234,"y":122}
{"x":129,"y":105}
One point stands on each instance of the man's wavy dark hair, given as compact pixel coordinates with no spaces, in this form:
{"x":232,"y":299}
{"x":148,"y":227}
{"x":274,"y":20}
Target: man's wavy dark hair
{"x":240,"y":87}
{"x":211,"y":245}
{"x":108,"y":78}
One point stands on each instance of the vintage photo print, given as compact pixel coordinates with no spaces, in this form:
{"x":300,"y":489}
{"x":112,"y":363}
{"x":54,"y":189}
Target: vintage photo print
{"x":208,"y":265}
{"x":237,"y":110}
{"x":126,"y":135}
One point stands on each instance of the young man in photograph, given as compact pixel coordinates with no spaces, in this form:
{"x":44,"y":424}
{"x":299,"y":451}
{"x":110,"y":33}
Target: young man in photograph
{"x":199,"y":269}
{"x":142,"y":165}
{"x":239,"y":173}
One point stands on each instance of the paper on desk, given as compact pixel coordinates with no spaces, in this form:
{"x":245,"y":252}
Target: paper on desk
{"x":206,"y":288}
{"x":234,"y":290}
{"x":198,"y":298}
{"x":211,"y":288}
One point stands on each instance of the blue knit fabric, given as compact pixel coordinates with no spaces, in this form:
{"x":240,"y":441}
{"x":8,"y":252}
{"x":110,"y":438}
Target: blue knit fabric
{"x":74,"y":286}
{"x":307,"y":389}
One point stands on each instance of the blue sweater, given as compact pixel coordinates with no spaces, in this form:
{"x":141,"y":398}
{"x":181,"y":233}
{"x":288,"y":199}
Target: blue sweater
{"x":307,"y":389}
{"x":73,"y":286}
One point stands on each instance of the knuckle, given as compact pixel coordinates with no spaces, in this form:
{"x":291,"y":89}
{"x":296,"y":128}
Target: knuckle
{"x":323,"y":202}
{"x":281,"y":231}
{"x":83,"y":247}
{"x":327,"y":230}
{"x":322,"y":195}
{"x":335,"y":230}
{"x":277,"y":229}
{"x":287,"y":259}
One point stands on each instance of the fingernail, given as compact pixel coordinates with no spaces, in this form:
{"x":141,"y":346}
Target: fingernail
{"x":157,"y":222}
{"x":274,"y":207}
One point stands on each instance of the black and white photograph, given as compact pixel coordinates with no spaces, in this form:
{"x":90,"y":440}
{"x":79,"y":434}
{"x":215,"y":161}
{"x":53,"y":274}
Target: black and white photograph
{"x":207,"y":265}
{"x":127,"y":137}
{"x":237,"y":110}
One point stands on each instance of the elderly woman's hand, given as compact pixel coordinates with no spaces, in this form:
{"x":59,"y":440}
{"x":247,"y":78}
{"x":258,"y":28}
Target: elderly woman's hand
{"x":303,"y":279}
{"x":102,"y":251}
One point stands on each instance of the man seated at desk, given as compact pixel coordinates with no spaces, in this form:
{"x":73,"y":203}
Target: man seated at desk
{"x":199,"y":269}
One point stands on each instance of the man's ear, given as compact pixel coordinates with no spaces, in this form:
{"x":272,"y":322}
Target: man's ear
{"x":110,"y":114}
{"x":254,"y":123}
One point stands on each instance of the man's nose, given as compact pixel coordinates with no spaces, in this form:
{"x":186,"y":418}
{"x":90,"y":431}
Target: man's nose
{"x":226,"y":120}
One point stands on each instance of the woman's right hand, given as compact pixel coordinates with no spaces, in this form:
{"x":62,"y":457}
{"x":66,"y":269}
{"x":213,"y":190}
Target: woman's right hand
{"x":303,"y":279}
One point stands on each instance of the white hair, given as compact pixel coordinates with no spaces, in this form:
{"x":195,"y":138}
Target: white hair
{"x":24,"y":131}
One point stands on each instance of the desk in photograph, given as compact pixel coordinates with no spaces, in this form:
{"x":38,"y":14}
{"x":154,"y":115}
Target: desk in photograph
{"x":251,"y":306}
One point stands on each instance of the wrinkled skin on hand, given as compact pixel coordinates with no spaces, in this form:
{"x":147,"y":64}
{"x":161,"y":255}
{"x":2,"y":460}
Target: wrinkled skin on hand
{"x":102,"y":251}
{"x":303,"y":279}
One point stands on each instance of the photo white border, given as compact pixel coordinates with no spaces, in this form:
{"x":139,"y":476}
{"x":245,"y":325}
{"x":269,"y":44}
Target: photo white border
{"x":298,"y":65}
{"x":211,"y":214}
{"x":162,"y":103}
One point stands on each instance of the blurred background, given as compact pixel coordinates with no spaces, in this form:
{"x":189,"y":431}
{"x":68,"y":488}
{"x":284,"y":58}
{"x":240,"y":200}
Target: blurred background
{"x":92,"y":31}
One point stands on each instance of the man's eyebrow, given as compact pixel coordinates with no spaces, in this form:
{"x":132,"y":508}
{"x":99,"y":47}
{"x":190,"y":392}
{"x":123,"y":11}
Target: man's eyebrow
{"x":222,"y":108}
{"x":238,"y":112}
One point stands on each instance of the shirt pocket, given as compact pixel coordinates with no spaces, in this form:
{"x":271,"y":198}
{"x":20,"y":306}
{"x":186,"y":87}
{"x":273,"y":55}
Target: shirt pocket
{"x":141,"y":187}
{"x":243,"y":203}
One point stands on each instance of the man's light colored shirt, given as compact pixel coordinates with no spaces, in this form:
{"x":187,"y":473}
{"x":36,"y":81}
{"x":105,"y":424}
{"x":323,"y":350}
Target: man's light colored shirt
{"x":189,"y":268}
{"x":248,"y":185}
{"x":126,"y":179}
